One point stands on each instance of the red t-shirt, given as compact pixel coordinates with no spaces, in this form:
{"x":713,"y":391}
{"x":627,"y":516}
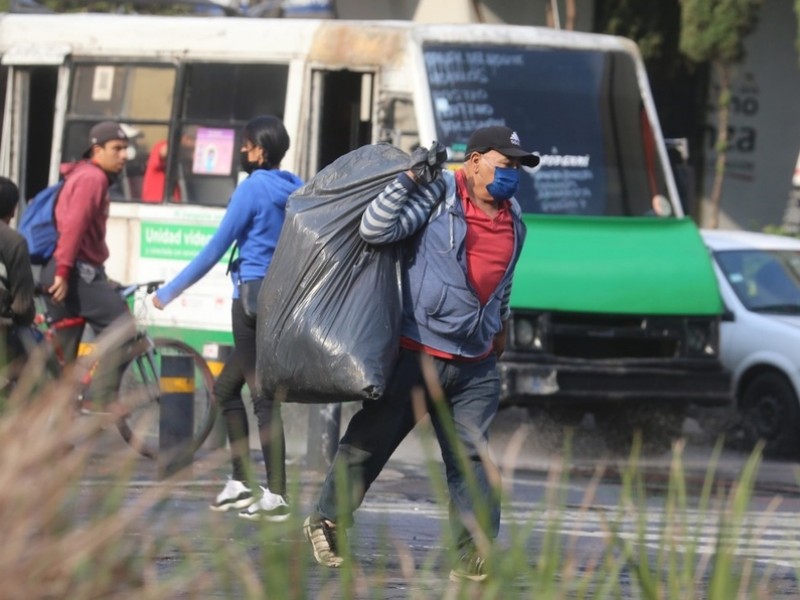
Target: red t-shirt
{"x":490,"y":242}
{"x":155,"y":176}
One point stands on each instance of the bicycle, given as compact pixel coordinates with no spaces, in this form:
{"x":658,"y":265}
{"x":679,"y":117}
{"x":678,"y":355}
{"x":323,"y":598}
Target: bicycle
{"x":138,"y":398}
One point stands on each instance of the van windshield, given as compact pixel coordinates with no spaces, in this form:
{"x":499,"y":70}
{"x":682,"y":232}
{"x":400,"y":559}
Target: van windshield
{"x":581,"y":110}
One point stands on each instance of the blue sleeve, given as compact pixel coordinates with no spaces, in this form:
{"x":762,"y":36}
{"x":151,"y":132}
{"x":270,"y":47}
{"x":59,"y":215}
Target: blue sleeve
{"x":236,"y":220}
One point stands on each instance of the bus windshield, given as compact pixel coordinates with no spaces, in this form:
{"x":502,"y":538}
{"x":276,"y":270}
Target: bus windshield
{"x":581,"y":110}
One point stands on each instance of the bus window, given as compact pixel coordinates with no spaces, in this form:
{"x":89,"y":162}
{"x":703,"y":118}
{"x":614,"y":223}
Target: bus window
{"x":144,"y":143}
{"x":141,"y":138}
{"x":206,"y":163}
{"x":139,"y":96}
{"x":230,"y":93}
{"x":217,"y":102}
{"x":128,"y":92}
{"x":581,"y":109}
{"x":399,"y":124}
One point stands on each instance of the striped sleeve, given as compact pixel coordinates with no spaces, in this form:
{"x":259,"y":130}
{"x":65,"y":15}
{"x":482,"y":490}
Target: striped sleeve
{"x":400,"y":210}
{"x":505,"y":303}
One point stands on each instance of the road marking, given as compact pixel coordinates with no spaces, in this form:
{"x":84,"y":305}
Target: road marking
{"x":769,"y":538}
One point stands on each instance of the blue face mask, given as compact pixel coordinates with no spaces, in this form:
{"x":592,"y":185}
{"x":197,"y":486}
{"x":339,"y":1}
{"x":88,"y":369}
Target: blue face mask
{"x":505,"y":183}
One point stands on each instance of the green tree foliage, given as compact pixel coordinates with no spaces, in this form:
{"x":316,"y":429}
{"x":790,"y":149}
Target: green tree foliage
{"x":161,"y":8}
{"x":152,"y":7}
{"x":713,"y":31}
{"x":76,"y":6}
{"x":649,"y":27}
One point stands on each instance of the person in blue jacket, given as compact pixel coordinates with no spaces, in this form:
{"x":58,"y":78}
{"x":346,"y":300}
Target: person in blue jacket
{"x":463,"y":234}
{"x":252,"y":222}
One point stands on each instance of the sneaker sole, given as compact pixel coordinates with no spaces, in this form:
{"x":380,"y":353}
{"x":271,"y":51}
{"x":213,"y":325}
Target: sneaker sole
{"x":457,"y":577}
{"x":331,"y":564}
{"x":263,"y":517}
{"x":236,"y":505}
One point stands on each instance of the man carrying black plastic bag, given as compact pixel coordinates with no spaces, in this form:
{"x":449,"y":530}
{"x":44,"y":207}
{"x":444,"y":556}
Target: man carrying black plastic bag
{"x":463,"y":235}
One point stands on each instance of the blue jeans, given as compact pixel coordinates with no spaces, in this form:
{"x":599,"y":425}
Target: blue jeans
{"x":461,"y":413}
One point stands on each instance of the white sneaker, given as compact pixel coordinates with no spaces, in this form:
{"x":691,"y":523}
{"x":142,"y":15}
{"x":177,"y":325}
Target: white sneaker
{"x":234,"y":496}
{"x":270,"y":507}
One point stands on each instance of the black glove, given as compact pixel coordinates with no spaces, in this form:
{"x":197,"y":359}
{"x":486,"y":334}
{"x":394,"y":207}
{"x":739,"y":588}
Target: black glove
{"x":426,"y":164}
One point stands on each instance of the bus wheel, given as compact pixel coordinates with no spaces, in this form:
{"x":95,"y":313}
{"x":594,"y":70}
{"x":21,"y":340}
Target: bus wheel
{"x":770,"y":412}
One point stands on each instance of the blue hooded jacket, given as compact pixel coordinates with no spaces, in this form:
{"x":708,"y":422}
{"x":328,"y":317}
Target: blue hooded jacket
{"x":253,"y":220}
{"x":441,"y":310}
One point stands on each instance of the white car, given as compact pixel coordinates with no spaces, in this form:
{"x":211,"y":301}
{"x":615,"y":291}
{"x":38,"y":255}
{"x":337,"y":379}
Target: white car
{"x":759,"y":280}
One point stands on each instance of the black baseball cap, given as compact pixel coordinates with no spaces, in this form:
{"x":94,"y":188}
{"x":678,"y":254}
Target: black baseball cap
{"x":103,"y":132}
{"x":502,"y":139}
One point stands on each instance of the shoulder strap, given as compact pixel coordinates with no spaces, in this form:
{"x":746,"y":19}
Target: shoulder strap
{"x":232,"y":259}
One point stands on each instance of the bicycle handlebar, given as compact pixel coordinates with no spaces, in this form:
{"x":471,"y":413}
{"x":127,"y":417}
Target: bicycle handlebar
{"x":126,"y":291}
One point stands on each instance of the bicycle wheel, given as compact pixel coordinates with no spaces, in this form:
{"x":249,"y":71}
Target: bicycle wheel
{"x":140,"y":396}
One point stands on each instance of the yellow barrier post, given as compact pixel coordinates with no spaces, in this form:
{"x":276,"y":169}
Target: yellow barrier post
{"x":176,"y":417}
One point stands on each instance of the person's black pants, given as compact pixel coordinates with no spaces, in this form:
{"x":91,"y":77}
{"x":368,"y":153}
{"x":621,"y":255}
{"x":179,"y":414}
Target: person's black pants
{"x":90,"y":295}
{"x":238,"y":369}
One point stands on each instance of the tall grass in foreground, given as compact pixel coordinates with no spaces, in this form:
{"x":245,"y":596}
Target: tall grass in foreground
{"x":62,"y":539}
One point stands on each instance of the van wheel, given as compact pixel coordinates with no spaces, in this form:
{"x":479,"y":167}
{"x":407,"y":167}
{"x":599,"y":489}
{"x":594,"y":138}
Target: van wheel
{"x":770,"y":412}
{"x":658,"y":428}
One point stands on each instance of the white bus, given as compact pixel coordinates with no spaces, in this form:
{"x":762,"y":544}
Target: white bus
{"x":188,"y":84}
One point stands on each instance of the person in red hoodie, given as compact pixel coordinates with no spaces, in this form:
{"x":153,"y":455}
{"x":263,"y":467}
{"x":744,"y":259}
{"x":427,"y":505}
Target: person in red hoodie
{"x":74,"y":276}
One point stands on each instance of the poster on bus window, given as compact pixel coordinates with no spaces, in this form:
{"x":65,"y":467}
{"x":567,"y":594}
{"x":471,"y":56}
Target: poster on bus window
{"x":213,"y":151}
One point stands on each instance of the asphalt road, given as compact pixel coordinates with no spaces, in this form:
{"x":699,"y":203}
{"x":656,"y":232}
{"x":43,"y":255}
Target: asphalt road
{"x":398,"y":536}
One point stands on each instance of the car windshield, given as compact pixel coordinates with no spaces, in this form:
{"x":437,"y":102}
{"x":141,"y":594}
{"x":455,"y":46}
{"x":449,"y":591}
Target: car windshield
{"x":765,"y":280}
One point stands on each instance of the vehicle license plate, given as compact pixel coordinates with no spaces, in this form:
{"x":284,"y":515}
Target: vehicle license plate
{"x":538,"y":384}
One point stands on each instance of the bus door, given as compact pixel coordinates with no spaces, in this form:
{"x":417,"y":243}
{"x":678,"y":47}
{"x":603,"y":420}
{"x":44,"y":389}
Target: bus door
{"x":32,"y":90}
{"x":341,"y":115}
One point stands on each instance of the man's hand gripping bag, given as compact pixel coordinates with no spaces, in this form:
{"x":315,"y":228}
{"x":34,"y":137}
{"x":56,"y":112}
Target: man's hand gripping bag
{"x":330,"y":307}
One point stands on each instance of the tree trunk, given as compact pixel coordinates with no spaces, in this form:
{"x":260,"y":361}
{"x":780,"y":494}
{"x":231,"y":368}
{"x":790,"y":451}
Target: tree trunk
{"x":723,"y":118}
{"x":572,"y":15}
{"x":549,"y":18}
{"x":478,"y":10}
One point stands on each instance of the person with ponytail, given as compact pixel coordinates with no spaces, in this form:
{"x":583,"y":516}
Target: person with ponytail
{"x":252,"y":224}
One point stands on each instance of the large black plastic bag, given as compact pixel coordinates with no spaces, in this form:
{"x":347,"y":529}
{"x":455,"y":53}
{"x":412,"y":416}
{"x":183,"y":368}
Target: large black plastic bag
{"x":330,"y":307}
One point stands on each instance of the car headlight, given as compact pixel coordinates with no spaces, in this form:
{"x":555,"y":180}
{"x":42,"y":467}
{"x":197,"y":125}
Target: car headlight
{"x":526,"y":334}
{"x":702,"y":338}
